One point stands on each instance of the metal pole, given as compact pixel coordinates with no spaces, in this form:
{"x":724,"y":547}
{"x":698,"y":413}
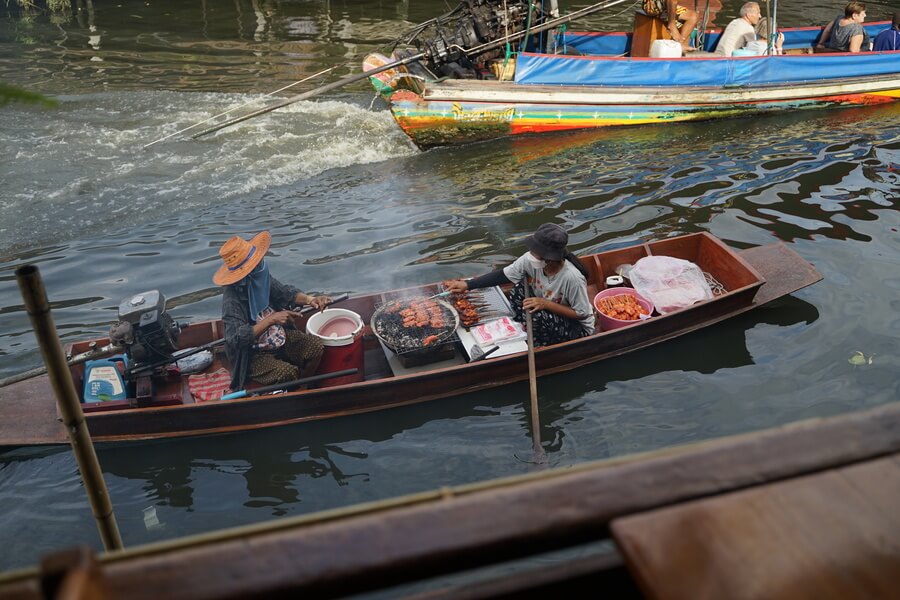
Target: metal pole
{"x":38,"y":307}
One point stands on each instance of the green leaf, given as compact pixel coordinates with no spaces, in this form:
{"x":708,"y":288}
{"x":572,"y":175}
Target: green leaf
{"x":857,"y":359}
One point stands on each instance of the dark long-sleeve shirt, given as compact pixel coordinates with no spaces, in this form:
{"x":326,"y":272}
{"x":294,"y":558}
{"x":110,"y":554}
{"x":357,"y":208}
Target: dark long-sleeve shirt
{"x":239,"y":338}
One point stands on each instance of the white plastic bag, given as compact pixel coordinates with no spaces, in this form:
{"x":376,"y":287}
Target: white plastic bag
{"x":497,"y":330}
{"x":669,"y":283}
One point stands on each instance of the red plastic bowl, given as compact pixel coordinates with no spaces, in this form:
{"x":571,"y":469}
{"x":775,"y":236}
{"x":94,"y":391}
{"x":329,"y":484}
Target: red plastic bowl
{"x":607,"y":323}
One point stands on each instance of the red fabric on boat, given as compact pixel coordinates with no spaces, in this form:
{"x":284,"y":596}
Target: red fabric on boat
{"x":209,"y":386}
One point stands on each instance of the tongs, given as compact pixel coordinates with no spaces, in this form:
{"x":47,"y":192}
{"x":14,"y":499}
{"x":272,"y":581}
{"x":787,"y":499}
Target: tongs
{"x":479,"y":353}
{"x":439,"y":295}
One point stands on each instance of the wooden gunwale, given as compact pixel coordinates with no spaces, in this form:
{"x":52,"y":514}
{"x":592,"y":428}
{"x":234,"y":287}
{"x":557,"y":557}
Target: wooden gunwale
{"x":389,"y":392}
{"x":380,"y":544}
{"x":501,"y":92}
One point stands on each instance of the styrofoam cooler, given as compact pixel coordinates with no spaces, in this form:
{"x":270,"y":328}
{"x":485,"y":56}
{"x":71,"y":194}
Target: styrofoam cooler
{"x":665,"y":49}
{"x":341,"y":333}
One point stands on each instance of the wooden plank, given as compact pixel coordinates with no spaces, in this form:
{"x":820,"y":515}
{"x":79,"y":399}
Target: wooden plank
{"x":366,"y":548}
{"x":29,"y":414}
{"x":783,"y":269}
{"x":830,"y":536}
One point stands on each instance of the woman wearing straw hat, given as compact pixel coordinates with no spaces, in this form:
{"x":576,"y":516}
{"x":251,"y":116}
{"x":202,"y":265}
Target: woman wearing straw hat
{"x":259,"y":340}
{"x":560,"y":307}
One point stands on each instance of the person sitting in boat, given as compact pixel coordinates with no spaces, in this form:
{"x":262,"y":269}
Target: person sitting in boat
{"x":742,"y":31}
{"x":846,"y":34}
{"x":259,"y":340}
{"x":889,"y":39}
{"x":560,"y":307}
{"x":680,"y":20}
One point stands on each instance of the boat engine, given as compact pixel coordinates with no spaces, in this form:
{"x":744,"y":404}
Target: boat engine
{"x":471,"y":24}
{"x":145,"y":329}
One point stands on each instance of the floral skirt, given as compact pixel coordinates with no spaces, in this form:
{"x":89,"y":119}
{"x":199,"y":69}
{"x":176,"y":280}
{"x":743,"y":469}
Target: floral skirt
{"x":299,"y":357}
{"x":549,"y":328}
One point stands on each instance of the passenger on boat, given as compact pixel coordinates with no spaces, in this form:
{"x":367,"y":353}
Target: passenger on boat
{"x":680,"y":20}
{"x":889,"y":39}
{"x":259,"y":340}
{"x":846,"y":34}
{"x":742,"y":31}
{"x":560,"y":307}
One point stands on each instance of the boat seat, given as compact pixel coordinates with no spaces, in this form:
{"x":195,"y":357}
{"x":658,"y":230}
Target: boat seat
{"x":645,"y":31}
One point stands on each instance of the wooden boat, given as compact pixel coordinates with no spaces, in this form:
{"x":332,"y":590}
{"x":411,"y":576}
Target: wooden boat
{"x":605,"y":85}
{"x":750,"y":277}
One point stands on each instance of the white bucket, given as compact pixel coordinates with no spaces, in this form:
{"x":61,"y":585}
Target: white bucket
{"x":665,"y":49}
{"x":335,"y":326}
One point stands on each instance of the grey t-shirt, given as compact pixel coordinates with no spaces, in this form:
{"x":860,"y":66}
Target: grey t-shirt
{"x":567,"y":287}
{"x":841,"y":34}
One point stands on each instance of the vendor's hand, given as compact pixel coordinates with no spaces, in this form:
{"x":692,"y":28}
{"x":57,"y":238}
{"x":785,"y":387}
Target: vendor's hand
{"x":535,"y":304}
{"x":282,"y":317}
{"x":457,"y":286}
{"x":319,"y":302}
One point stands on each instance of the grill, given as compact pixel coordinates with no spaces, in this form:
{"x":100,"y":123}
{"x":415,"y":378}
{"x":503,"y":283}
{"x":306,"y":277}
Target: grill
{"x":400,"y":326}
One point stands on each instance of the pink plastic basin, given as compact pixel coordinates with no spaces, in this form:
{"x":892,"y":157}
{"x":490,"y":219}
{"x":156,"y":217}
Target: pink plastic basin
{"x":338,"y":327}
{"x":607,"y":323}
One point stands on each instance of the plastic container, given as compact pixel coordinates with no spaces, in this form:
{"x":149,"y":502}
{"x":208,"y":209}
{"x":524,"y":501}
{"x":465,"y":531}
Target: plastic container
{"x":496,"y":331}
{"x":665,"y":49}
{"x":615,"y":281}
{"x":608,"y":323}
{"x":341,"y":333}
{"x":758,"y":47}
{"x":103,"y":381}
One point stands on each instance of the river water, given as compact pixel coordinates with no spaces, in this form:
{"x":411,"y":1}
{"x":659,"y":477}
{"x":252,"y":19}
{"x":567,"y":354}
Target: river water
{"x":354,"y":207}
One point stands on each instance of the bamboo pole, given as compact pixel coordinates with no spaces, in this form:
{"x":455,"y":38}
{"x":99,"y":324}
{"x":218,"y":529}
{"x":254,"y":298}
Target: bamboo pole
{"x":38,"y":307}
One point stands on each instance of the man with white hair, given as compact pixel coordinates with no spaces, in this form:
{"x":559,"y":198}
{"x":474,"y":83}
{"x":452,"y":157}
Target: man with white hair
{"x":742,"y":31}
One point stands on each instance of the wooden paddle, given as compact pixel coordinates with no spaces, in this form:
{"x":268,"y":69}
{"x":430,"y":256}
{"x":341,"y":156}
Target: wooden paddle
{"x":539,"y":456}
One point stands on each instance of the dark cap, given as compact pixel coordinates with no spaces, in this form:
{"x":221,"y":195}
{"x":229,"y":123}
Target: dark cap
{"x":549,"y":241}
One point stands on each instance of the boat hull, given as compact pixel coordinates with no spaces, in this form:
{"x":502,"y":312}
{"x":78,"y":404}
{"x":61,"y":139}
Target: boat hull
{"x":752,"y":277}
{"x":461,"y":113}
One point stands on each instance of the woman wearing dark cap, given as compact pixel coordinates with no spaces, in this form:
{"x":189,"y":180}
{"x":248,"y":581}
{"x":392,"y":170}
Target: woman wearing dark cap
{"x":259,"y":340}
{"x":560,"y":307}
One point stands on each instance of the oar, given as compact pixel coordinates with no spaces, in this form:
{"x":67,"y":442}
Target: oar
{"x":138,"y":369}
{"x":314,"y":92}
{"x":539,"y":457}
{"x":288,"y":385}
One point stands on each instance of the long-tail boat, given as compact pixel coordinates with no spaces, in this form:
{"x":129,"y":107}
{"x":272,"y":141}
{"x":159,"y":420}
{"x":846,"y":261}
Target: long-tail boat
{"x":599,"y":79}
{"x":161,"y":405}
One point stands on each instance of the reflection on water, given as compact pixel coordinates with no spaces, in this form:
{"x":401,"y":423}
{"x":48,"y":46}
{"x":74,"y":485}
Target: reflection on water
{"x":353,"y":207}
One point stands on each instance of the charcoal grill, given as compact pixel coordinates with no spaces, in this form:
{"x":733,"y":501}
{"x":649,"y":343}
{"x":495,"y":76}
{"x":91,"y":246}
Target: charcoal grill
{"x":408,"y":343}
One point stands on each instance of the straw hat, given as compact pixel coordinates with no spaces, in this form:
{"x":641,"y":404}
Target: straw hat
{"x":241,"y":257}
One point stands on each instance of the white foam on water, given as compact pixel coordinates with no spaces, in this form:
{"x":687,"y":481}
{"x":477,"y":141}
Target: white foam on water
{"x":82,"y":164}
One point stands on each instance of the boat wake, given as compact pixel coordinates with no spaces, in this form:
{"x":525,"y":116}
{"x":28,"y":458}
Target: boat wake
{"x":94,"y":171}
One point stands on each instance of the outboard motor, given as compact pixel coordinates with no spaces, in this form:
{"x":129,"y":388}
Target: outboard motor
{"x":145,"y":329}
{"x":472,"y":23}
